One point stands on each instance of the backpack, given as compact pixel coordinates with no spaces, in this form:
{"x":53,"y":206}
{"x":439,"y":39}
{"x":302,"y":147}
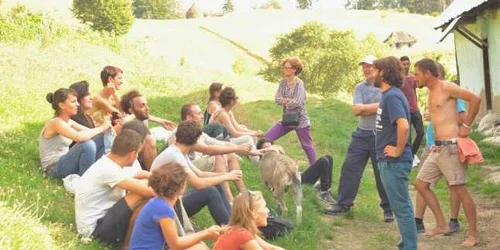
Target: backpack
{"x":276,"y":226}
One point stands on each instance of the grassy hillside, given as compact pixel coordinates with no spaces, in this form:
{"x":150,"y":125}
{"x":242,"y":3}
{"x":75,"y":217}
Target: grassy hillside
{"x":37,"y":213}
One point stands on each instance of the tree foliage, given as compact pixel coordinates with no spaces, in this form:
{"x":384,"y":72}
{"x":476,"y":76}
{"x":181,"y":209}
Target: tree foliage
{"x":271,"y":4}
{"x":109,"y":15}
{"x":304,"y":4}
{"x":330,"y":57}
{"x":192,"y":12}
{"x":157,"y":9}
{"x":414,"y":6}
{"x":228,"y":6}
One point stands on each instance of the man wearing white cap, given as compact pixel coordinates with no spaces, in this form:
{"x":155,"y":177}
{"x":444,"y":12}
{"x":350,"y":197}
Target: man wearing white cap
{"x":362,"y":146}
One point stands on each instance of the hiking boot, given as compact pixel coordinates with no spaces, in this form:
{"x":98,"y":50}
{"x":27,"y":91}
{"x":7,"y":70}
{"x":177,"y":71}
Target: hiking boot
{"x":337,"y":210}
{"x":388,"y":217}
{"x":454,"y":227}
{"x":420,"y":228}
{"x":326,"y":197}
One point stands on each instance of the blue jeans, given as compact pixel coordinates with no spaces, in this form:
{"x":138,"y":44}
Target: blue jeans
{"x":214,"y":198}
{"x":78,"y":159}
{"x":394,"y":176}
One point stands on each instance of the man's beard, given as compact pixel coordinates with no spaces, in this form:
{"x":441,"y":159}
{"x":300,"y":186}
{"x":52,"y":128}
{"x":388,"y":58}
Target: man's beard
{"x":140,"y":116}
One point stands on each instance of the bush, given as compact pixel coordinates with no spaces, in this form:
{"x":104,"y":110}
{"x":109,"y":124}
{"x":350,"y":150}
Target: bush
{"x":330,"y":57}
{"x":228,"y":7}
{"x":192,"y":12}
{"x":239,"y":66}
{"x":271,"y":4}
{"x":110,"y":15}
{"x":20,"y":25}
{"x":157,"y":9}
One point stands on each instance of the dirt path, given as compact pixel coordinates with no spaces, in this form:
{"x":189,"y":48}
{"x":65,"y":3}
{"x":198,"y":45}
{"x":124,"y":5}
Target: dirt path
{"x":355,"y":234}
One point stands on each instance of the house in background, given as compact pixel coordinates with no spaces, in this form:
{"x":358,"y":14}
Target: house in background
{"x":400,"y":39}
{"x":476,"y":28}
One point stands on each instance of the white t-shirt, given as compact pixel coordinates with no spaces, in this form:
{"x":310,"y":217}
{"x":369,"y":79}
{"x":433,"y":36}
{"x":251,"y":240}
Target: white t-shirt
{"x":204,"y":138}
{"x":96,"y":192}
{"x":171,"y":154}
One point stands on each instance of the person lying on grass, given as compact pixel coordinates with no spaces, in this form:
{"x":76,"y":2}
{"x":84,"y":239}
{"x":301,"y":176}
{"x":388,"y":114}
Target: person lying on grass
{"x":57,"y":159}
{"x":249,"y":212}
{"x":155,"y":224}
{"x":321,"y":169}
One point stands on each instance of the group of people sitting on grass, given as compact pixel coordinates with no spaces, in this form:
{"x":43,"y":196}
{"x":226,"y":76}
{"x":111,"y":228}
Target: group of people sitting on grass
{"x":129,"y":195}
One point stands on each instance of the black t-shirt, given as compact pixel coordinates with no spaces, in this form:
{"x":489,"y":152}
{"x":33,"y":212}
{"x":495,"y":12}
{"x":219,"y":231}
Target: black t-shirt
{"x":392,"y":107}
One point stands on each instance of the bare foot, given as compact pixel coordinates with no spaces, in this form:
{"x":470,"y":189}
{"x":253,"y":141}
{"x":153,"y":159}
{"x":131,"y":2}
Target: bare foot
{"x":438,"y":230}
{"x":470,"y":242}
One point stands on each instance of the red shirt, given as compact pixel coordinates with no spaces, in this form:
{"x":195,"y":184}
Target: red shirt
{"x":233,"y":239}
{"x":409,"y":89}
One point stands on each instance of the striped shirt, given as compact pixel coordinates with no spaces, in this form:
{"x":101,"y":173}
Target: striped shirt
{"x":297,"y":94}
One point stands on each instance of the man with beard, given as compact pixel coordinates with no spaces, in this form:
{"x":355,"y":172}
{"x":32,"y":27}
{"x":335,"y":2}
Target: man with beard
{"x":362,"y":146}
{"x":444,"y":158}
{"x":392,"y":144}
{"x":136,"y":105}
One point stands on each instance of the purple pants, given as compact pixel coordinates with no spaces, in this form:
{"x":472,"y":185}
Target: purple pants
{"x":304,"y":134}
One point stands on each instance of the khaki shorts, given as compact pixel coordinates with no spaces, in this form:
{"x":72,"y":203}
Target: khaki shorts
{"x":206,"y":163}
{"x":443,"y":161}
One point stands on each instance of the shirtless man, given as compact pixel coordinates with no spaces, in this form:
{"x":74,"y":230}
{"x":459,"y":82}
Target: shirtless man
{"x":444,"y":160}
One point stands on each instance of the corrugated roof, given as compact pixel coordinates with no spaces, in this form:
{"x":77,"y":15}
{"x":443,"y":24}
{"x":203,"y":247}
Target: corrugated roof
{"x":457,"y":8}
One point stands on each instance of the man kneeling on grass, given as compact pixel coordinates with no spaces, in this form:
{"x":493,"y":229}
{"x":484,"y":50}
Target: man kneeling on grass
{"x":207,"y":185}
{"x":102,"y":208}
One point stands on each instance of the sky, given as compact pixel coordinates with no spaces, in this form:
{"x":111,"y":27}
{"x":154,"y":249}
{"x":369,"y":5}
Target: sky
{"x":242,"y":5}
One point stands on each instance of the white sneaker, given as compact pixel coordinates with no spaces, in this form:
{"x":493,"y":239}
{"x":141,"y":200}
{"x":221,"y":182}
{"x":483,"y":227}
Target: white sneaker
{"x":416,"y":161}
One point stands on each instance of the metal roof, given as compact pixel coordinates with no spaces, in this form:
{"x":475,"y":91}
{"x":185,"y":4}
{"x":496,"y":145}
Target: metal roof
{"x":457,"y":8}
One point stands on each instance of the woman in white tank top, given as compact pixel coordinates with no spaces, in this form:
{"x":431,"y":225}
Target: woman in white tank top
{"x":57,"y":159}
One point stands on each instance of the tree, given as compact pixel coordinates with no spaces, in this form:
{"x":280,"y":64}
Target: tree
{"x":157,"y":9}
{"x":192,"y":12}
{"x":272,"y":4}
{"x":228,"y":6}
{"x":304,"y":4}
{"x":330,"y":57}
{"x":110,"y":15}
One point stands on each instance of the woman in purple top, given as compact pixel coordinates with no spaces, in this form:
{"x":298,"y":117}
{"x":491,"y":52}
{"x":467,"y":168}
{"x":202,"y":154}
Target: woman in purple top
{"x":291,"y":94}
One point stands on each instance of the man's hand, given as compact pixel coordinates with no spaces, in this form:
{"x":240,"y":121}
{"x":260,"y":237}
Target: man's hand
{"x":255,"y":152}
{"x":259,"y":133}
{"x":235,"y":175}
{"x":285,"y":100}
{"x":391,"y":151}
{"x":111,"y":88}
{"x":427,"y":116}
{"x":168,"y":125}
{"x":464,"y":131}
{"x":213,"y":232}
{"x":244,"y":148}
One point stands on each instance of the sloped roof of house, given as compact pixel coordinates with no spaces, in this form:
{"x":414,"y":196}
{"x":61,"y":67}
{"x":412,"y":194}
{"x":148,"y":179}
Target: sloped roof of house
{"x":457,"y":8}
{"x":401,"y":37}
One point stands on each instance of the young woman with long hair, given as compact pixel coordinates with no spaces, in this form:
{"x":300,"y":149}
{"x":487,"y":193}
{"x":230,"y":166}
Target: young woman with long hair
{"x":249,"y":212}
